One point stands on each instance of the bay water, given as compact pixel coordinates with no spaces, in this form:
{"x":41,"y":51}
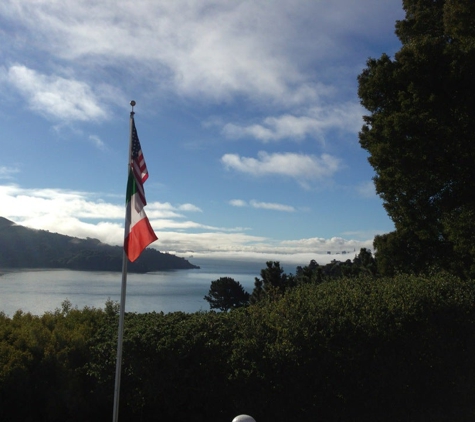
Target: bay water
{"x":43,"y":291}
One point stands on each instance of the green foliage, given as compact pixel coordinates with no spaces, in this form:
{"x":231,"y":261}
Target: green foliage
{"x":312,"y":273}
{"x":275,"y":282}
{"x":272,"y":284}
{"x":42,"y":365}
{"x":420,"y":136}
{"x":226,"y":293}
{"x":458,"y":22}
{"x":174,"y":366}
{"x":352,"y":349}
{"x":359,"y":349}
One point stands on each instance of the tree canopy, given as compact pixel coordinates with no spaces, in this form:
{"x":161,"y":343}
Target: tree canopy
{"x":273,"y":282}
{"x":225,"y":293}
{"x":420,"y":135}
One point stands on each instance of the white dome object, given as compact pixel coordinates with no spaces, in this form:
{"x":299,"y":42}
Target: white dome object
{"x":244,"y":418}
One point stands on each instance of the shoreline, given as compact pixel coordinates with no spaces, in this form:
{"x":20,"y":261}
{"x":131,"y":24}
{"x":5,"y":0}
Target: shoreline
{"x":9,"y":270}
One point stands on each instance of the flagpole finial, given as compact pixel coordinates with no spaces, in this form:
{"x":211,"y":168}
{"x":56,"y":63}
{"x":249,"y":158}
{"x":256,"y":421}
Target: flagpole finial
{"x":132,"y":103}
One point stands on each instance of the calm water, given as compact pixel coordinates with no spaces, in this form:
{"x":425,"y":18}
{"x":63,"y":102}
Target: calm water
{"x":182,"y":290}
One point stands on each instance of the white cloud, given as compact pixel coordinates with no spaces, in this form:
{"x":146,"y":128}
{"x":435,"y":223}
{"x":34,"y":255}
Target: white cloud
{"x":189,"y":208}
{"x":315,"y":122}
{"x":254,"y":248}
{"x":263,"y":205}
{"x":208,"y":241}
{"x":55,"y":96}
{"x":97,"y":142}
{"x":298,"y":166}
{"x":283,"y":60}
{"x":7,"y":173}
{"x":83,"y":214}
{"x":238,"y":203}
{"x":51,"y":205}
{"x":272,"y":206}
{"x":211,"y":48}
{"x":163,"y":224}
{"x":333,"y":244}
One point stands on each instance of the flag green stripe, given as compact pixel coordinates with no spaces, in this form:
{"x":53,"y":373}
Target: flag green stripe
{"x":131,"y":187}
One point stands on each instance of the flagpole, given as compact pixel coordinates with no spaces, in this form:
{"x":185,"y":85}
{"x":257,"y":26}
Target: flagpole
{"x":120,"y":337}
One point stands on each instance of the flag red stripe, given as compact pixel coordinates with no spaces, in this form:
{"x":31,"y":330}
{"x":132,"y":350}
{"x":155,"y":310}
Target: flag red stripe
{"x":140,"y":168}
{"x":138,"y":239}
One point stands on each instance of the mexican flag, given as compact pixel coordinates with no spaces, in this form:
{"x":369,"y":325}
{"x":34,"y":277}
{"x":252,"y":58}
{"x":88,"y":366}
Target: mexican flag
{"x":139,"y":232}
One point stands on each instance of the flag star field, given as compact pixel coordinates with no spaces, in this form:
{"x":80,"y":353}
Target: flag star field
{"x":247,"y":114}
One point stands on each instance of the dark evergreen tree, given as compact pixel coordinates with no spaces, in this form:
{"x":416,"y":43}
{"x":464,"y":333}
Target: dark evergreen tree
{"x":365,"y":262}
{"x":273,"y":282}
{"x":311,"y":273}
{"x":420,"y":134}
{"x":226,"y":293}
{"x":258,"y":293}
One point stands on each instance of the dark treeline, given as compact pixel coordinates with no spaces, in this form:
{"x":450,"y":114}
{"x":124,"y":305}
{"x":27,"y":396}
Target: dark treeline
{"x":226,"y":293}
{"x":352,"y":349}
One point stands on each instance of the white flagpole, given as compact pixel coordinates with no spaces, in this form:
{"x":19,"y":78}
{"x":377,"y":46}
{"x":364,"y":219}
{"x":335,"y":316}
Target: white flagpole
{"x":120,"y":337}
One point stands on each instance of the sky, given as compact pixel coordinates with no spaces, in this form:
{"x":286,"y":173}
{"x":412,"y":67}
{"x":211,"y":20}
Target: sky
{"x":247,"y":113}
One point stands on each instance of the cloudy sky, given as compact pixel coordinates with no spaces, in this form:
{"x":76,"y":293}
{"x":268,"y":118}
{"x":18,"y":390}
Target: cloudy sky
{"x":247,"y":112}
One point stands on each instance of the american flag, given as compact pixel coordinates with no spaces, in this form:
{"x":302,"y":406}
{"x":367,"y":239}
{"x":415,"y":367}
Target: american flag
{"x":137,"y":164}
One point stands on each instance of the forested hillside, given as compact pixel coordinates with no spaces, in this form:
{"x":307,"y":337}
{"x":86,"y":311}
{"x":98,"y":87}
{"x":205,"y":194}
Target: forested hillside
{"x":21,"y":247}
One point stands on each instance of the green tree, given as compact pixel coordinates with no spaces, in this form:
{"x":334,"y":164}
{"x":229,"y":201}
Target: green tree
{"x":365,"y":262}
{"x":225,"y":293}
{"x":311,"y":273}
{"x":420,"y":134}
{"x":273,"y":282}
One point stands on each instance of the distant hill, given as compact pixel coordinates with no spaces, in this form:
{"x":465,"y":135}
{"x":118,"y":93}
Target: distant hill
{"x":22,"y":247}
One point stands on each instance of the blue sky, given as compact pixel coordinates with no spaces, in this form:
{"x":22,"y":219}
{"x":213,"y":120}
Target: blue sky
{"x":247,"y":113}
